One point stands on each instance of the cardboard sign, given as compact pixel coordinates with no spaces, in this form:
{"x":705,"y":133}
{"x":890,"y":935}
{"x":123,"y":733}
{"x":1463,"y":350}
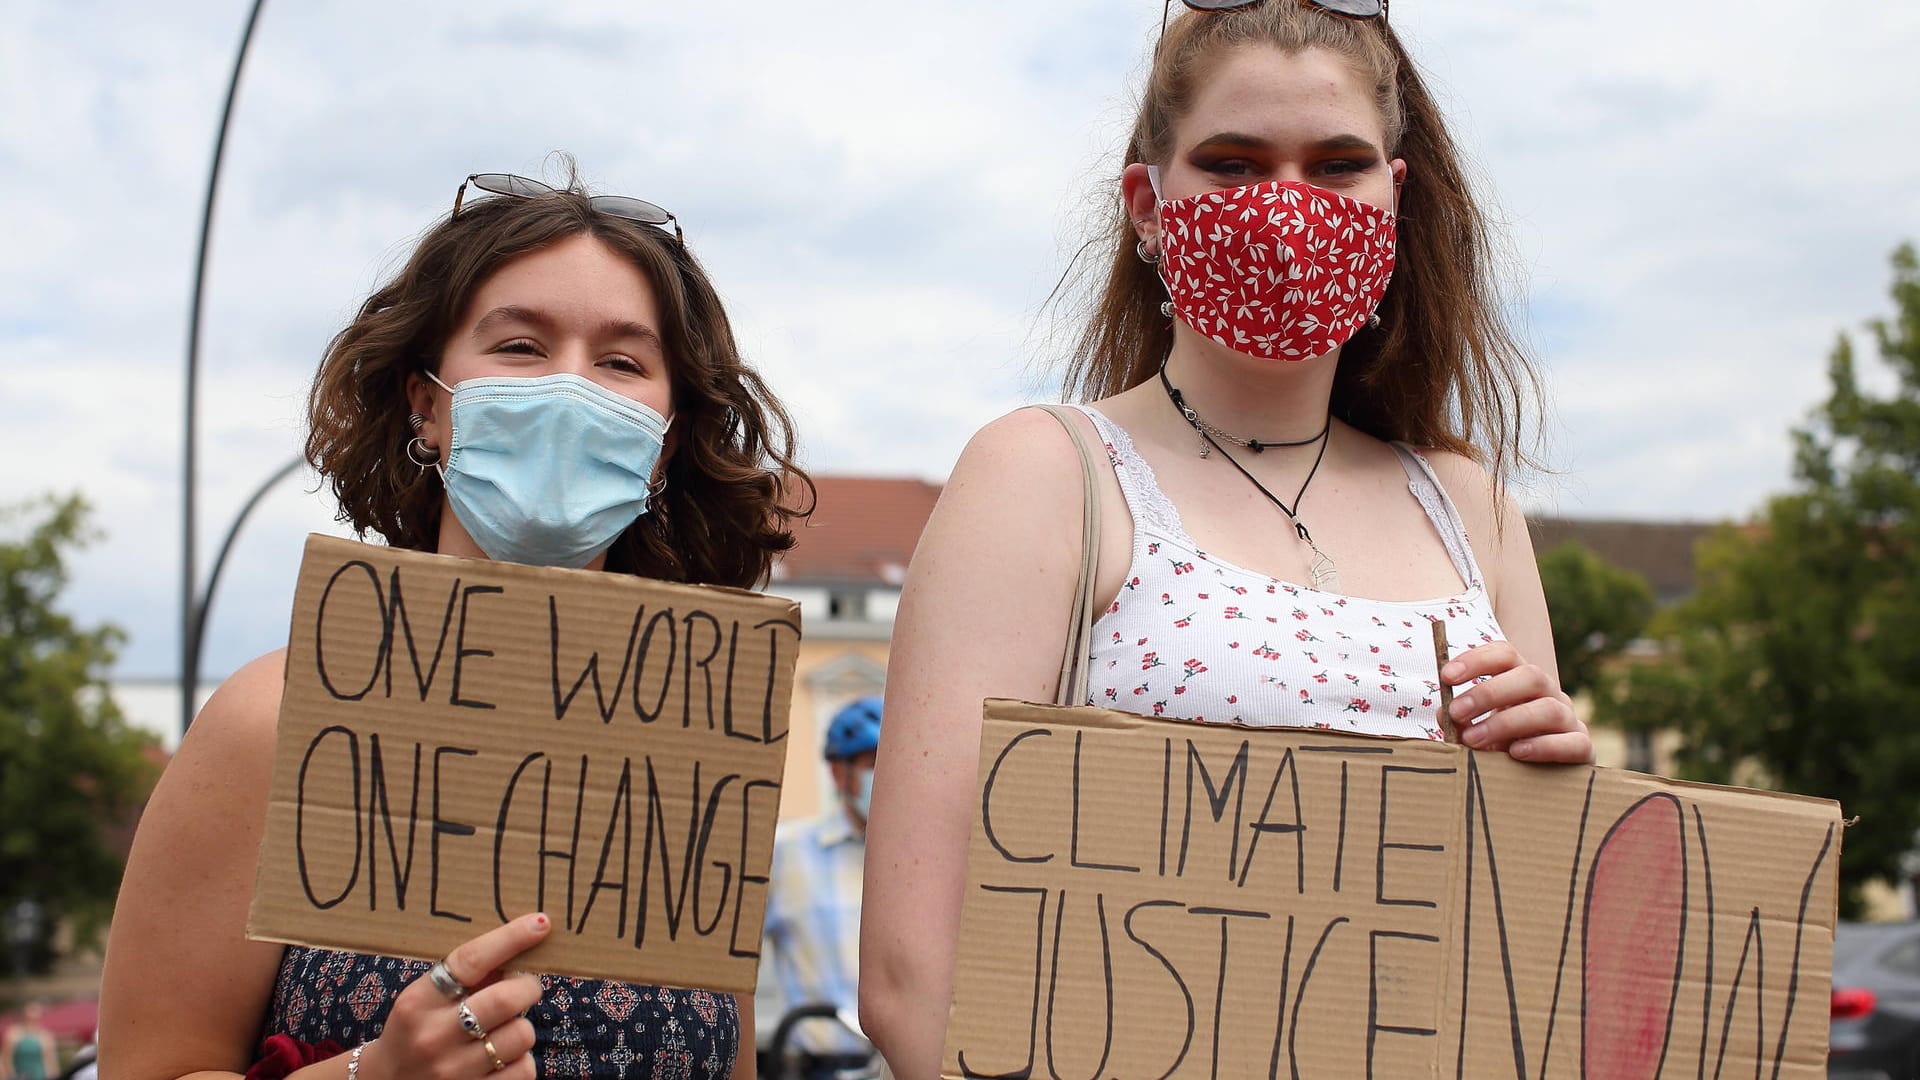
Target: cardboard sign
{"x":1149,"y":899}
{"x":463,"y":741}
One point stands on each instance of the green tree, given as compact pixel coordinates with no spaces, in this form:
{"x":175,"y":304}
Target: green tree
{"x":1797,"y":663}
{"x":72,"y":772}
{"x":1598,"y":609}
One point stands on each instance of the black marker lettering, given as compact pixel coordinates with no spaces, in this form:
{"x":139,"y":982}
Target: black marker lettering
{"x":986,"y":799}
{"x":300,"y":816}
{"x":379,"y":806}
{"x":460,"y":650}
{"x":320,"y":636}
{"x":606,"y":704}
{"x":443,"y":827}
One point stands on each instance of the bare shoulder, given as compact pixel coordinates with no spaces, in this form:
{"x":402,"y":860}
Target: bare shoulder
{"x":239,"y":722}
{"x":1021,"y":469}
{"x":1030,"y":443}
{"x":181,"y":916}
{"x":1488,"y":513}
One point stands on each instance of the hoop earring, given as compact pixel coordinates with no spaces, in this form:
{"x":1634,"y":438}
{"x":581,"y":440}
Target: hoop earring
{"x":1148,"y":256}
{"x":657,"y":488}
{"x":418,"y":449}
{"x":1373,"y":321}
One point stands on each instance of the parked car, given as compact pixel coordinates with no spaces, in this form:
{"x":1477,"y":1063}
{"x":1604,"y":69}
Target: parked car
{"x":1876,"y":1002}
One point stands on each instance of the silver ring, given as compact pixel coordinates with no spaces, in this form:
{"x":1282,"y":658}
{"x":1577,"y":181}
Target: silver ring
{"x":444,"y":981}
{"x":418,"y":449}
{"x":471,"y":1025}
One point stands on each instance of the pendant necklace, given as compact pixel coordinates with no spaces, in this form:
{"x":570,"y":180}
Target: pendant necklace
{"x":1325,"y":576}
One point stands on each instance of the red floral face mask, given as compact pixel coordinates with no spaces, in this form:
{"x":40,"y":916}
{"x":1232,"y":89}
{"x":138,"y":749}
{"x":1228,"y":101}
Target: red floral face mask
{"x":1281,"y":270}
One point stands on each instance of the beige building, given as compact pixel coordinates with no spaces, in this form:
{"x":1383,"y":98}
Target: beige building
{"x":845,"y":569}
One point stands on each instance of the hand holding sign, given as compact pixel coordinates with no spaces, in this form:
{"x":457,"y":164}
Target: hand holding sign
{"x":1531,"y":717}
{"x":425,"y":1034}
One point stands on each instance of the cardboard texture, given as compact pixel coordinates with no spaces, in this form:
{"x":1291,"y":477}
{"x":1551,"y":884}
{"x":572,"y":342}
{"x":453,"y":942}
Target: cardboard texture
{"x":1150,"y":899}
{"x":463,"y":741}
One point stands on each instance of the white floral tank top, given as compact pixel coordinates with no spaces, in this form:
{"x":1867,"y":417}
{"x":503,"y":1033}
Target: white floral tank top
{"x":1196,"y":638}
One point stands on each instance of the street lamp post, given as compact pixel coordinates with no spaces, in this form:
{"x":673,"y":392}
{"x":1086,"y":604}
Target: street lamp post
{"x":190,"y":616}
{"x":23,"y":931}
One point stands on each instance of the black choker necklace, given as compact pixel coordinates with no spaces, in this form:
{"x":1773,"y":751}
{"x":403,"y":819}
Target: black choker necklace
{"x":1209,"y":433}
{"x":1325,"y":576}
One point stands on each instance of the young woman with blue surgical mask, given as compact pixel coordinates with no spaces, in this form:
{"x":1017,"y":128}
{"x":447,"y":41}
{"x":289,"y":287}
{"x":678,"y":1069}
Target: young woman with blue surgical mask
{"x":551,"y":379}
{"x":1302,"y":409}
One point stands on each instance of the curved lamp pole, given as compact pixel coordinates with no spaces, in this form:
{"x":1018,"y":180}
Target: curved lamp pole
{"x":191,"y":617}
{"x":197,"y":631}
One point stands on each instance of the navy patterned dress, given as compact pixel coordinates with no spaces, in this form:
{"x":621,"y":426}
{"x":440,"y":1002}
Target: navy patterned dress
{"x":582,"y":1027}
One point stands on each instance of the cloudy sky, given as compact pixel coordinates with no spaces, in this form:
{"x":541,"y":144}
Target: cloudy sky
{"x":1697,"y":198}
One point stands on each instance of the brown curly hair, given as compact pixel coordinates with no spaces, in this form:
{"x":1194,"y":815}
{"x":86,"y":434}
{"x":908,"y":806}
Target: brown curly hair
{"x":1443,"y":370}
{"x":733,"y":487}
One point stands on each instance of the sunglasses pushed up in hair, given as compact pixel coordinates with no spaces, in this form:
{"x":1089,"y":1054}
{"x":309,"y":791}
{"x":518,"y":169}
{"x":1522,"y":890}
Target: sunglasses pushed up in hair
{"x":1352,"y":9}
{"x":620,"y":206}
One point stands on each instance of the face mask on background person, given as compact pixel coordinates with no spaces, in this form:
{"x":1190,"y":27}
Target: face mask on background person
{"x":862,"y":798}
{"x":548,"y":471}
{"x":1281,"y":270}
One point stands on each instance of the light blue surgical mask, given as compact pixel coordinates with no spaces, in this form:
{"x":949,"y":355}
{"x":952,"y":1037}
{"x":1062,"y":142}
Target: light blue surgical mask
{"x":548,"y":471}
{"x":862,"y":800}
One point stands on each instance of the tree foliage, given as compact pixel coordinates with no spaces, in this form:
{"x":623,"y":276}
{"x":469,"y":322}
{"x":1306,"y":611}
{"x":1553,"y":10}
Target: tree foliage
{"x":1797,"y":663}
{"x":72,"y":772}
{"x":1598,"y":609}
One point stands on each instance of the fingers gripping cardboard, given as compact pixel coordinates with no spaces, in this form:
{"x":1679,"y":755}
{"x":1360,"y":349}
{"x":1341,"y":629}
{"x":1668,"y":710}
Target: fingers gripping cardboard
{"x":463,"y":741}
{"x":1148,"y":899}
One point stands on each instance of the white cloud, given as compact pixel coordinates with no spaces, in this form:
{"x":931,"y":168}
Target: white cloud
{"x":1699,"y":198}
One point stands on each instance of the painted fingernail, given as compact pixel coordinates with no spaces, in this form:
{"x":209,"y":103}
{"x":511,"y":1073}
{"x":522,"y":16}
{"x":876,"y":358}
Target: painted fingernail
{"x":540,"y":922}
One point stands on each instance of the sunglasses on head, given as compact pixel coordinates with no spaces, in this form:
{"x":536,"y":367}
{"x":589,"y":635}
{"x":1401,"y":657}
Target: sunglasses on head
{"x":1353,"y":9}
{"x":620,"y":206}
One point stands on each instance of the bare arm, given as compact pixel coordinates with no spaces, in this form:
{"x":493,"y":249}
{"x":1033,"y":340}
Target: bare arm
{"x":1532,"y":718}
{"x":184,"y":992}
{"x":743,"y":1063}
{"x":983,"y":614}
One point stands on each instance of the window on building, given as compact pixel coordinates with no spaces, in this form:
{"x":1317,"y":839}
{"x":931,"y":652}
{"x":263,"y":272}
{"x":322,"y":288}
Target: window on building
{"x":1640,"y":751}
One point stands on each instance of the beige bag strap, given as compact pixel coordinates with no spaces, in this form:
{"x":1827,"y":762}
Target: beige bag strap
{"x":1073,"y":664}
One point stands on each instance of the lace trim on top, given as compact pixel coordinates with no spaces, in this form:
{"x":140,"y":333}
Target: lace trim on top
{"x":1440,"y":510}
{"x":1150,"y":506}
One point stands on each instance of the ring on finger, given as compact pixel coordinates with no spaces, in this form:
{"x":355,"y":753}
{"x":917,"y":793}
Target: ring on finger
{"x":493,"y":1054}
{"x":471,"y":1024}
{"x":444,"y":981}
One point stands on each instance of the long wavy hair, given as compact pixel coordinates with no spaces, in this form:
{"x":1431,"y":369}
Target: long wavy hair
{"x":1443,"y":369}
{"x":732,"y":485}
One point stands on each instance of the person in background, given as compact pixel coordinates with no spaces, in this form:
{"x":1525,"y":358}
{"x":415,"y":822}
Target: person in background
{"x":810,"y":954}
{"x":27,"y":1052}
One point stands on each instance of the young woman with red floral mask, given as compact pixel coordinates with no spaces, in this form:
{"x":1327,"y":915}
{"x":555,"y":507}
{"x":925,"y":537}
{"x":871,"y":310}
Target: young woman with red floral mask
{"x":1310,"y":407}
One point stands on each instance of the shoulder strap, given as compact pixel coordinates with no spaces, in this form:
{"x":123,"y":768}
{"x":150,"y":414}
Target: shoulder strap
{"x":1073,"y":664}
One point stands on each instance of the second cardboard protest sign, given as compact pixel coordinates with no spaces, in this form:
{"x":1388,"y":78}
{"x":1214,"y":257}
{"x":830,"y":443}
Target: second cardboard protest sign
{"x":464,"y":741}
{"x":1148,"y":899}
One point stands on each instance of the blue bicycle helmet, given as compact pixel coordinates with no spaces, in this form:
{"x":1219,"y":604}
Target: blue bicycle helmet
{"x":855,"y":729}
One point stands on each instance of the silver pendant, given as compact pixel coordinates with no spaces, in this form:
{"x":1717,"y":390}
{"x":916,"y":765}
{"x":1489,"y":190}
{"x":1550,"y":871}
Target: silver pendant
{"x":1325,"y":577}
